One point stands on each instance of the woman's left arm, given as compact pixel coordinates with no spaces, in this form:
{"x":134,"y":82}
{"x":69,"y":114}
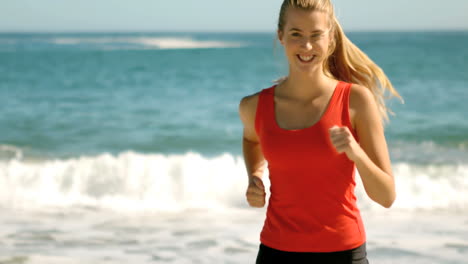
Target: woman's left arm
{"x":371,"y":153}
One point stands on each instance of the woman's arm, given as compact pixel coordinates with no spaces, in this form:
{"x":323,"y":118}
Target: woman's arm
{"x":253,"y":156}
{"x":371,"y":154}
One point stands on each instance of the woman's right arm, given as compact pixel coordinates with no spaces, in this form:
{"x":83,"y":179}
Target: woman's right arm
{"x":253,"y":156}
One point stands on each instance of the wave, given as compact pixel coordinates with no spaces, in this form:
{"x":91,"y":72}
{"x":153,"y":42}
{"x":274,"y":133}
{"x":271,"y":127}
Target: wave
{"x":133,"y":181}
{"x":8,"y":152}
{"x":129,"y":181}
{"x":429,"y":152}
{"x":146,"y":42}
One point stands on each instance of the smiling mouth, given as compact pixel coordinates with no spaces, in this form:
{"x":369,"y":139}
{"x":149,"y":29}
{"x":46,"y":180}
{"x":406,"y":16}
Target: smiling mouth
{"x":306,"y":59}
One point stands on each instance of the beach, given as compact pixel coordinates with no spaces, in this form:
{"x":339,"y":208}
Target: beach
{"x":86,"y":235}
{"x":126,"y":147}
{"x":187,"y":213}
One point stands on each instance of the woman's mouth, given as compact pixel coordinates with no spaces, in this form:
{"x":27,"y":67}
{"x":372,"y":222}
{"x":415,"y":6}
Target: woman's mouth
{"x":306,"y":59}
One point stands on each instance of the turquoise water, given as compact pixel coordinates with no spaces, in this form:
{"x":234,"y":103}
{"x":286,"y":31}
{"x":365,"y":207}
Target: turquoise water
{"x":79,"y":94}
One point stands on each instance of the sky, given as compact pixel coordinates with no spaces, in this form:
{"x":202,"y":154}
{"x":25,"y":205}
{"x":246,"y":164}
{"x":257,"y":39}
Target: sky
{"x":221,"y":15}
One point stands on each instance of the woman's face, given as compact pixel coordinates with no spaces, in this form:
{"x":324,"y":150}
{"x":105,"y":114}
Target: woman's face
{"x":306,"y":38}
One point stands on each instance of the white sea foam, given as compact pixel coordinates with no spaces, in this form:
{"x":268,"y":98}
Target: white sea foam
{"x":129,"y":181}
{"x":133,"y":181}
{"x":80,"y":235}
{"x":65,"y":206}
{"x":147,"y":42}
{"x":426,"y":187}
{"x":10,"y":152}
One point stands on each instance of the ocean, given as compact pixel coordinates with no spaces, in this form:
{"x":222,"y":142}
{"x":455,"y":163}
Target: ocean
{"x":126,"y":147}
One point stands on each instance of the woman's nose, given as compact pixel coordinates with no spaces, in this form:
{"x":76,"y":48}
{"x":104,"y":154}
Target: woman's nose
{"x":306,"y":44}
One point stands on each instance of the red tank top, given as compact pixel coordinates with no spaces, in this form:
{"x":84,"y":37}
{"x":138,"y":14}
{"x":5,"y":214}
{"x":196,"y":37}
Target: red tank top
{"x":312,"y":207}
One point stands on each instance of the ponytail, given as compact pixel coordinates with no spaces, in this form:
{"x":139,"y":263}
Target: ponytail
{"x":349,"y":64}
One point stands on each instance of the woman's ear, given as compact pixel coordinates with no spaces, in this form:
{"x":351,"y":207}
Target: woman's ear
{"x":280,"y":36}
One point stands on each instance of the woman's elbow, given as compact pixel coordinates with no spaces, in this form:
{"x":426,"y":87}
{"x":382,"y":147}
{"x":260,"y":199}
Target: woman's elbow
{"x":388,"y":202}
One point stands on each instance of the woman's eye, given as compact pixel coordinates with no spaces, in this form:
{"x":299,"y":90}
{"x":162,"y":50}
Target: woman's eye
{"x":295,"y":34}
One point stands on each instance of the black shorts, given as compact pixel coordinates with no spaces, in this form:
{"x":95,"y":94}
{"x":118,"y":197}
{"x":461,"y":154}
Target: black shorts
{"x":267,"y":255}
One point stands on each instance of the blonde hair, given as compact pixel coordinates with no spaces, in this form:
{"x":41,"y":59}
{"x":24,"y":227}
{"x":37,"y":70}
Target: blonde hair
{"x":346,"y":62}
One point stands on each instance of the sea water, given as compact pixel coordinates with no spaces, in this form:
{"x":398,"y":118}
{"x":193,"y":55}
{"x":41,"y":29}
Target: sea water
{"x":126,"y":147}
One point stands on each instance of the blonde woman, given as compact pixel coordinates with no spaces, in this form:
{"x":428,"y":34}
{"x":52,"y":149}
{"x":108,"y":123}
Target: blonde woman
{"x":314,"y":128}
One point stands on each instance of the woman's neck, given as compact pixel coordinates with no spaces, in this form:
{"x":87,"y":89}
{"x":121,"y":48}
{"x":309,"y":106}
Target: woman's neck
{"x":305,"y":86}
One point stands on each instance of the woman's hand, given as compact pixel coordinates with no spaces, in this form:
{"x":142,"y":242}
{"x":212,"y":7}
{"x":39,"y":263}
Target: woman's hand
{"x":344,"y":141}
{"x":256,"y":193}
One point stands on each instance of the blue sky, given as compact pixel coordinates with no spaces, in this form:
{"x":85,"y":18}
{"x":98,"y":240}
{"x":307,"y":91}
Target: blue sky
{"x":220,"y":15}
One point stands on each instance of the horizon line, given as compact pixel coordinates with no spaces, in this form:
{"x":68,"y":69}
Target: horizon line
{"x":220,"y":31}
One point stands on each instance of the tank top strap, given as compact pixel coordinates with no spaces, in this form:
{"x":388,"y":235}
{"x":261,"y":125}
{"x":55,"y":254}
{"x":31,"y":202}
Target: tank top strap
{"x":345,"y":95}
{"x":264,"y":108}
{"x":336,"y":101}
{"x":345,"y":104}
{"x":340,"y":105}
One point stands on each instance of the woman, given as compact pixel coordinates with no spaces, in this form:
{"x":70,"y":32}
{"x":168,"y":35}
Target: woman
{"x":308,"y":127}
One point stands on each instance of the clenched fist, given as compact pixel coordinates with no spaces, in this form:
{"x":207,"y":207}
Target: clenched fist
{"x":344,"y":141}
{"x":256,"y":193}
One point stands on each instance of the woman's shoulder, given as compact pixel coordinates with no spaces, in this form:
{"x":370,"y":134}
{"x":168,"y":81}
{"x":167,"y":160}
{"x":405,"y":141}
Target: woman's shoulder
{"x":250,"y":98}
{"x":360,"y":96}
{"x":248,"y":104}
{"x":363,"y":106}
